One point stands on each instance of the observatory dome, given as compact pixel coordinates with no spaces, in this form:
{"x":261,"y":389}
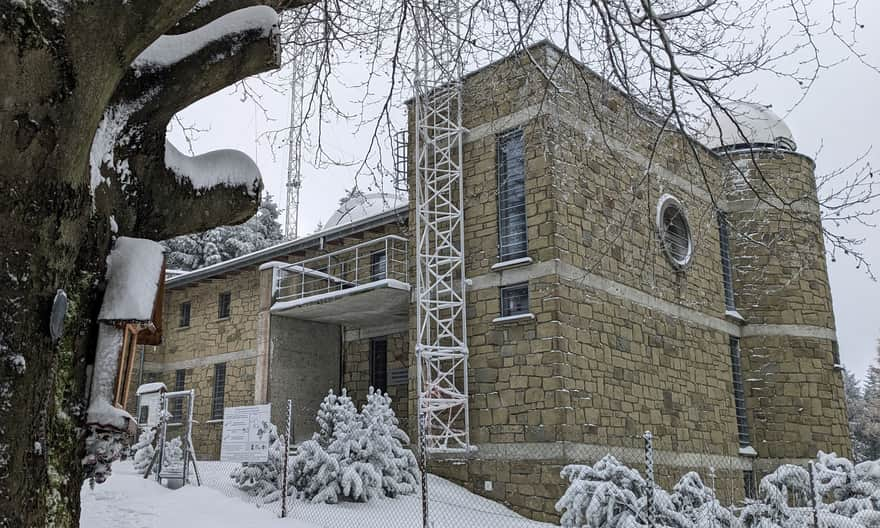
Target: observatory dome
{"x":758,"y":127}
{"x":362,"y":206}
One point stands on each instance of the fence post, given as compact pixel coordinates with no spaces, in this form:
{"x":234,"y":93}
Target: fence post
{"x":423,"y":462}
{"x":286,"y":459}
{"x":813,"y":499}
{"x":649,"y":476}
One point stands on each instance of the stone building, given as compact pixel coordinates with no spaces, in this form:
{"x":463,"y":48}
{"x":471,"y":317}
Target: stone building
{"x":621,"y":280}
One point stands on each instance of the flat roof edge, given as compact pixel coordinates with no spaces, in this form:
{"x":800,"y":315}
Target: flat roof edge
{"x":266,"y":254}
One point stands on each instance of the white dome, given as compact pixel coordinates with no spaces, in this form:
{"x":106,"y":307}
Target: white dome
{"x":758,"y":126}
{"x":363,"y":206}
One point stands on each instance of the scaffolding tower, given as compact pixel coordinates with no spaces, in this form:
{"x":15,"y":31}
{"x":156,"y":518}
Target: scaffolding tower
{"x":294,"y":157}
{"x":441,"y":348}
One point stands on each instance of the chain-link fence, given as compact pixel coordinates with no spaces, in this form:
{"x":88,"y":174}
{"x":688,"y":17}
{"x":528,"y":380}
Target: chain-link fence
{"x":643,"y":481}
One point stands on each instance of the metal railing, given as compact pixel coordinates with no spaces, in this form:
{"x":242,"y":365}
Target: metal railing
{"x":371,"y":261}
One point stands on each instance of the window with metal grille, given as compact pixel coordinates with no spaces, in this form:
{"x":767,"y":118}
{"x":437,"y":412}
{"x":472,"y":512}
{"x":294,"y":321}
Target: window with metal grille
{"x":177,"y":403}
{"x":511,"y":168}
{"x":379,"y":364}
{"x":515,"y":300}
{"x":675,"y":232}
{"x":835,"y":354}
{"x":217,"y":399}
{"x":223,"y":302}
{"x":185,"y":309}
{"x":739,"y":395}
{"x":726,"y":264}
{"x":378,"y":265}
{"x":749,"y":484}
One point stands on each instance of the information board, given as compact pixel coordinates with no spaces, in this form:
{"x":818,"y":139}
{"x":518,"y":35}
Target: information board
{"x":246,"y":434}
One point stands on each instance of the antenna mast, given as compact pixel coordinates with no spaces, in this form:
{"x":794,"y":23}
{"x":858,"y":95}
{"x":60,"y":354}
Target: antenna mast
{"x":442,"y":349}
{"x":294,"y":159}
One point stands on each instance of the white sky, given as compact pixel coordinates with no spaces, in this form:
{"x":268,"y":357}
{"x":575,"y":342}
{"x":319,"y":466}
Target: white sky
{"x":841,"y":114}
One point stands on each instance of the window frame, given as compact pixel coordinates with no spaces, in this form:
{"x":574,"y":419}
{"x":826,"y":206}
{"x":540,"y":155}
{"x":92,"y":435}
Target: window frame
{"x":227,"y":295}
{"x":726,"y":262}
{"x":666,"y":202}
{"x":378,"y":259}
{"x":743,"y":429}
{"x":179,"y":385}
{"x":185,"y":308}
{"x":502,"y":297}
{"x":218,"y":391}
{"x":379,"y":347}
{"x":750,"y":485}
{"x":506,"y":193}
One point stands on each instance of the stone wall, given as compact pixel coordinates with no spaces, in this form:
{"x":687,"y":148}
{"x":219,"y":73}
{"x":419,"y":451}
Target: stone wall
{"x":356,"y":375}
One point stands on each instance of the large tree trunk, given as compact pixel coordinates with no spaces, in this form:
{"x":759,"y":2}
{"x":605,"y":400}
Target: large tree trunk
{"x":61,"y":65}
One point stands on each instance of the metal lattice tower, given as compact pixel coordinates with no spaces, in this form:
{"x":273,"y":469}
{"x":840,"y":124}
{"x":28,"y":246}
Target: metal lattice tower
{"x":441,"y":349}
{"x":294,"y":159}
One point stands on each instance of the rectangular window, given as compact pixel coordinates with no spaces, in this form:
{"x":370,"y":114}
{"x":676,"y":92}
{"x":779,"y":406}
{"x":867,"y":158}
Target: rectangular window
{"x":379,"y":364}
{"x":726,"y":264}
{"x":739,"y":395}
{"x":185,"y":309}
{"x":217,"y":401}
{"x":143,"y":414}
{"x":177,"y":403}
{"x":377,"y":265}
{"x":223,"y":302}
{"x":510,"y":165}
{"x":515,"y":300}
{"x":749,"y":484}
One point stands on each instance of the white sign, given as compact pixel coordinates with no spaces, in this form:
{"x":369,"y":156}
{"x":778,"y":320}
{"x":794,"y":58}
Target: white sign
{"x":246,"y":434}
{"x":151,"y":402}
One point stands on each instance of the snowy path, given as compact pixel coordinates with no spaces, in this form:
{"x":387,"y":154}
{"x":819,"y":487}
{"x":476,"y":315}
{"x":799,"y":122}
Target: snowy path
{"x":128,"y":500}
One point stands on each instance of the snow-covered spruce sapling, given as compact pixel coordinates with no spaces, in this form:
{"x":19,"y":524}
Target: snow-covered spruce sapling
{"x":386,"y":449}
{"x":848,"y":490}
{"x":698,"y":504}
{"x":265,"y":479}
{"x":605,"y":495}
{"x":144,"y":450}
{"x":788,"y":485}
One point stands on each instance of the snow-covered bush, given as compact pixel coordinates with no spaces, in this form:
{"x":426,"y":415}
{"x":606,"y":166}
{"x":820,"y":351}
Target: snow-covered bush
{"x":777,"y":493}
{"x":144,"y":450}
{"x":605,"y":495}
{"x":848,"y":490}
{"x":698,"y":504}
{"x":355,"y":456}
{"x":385,"y":451}
{"x":264,"y":479}
{"x":102,"y":449}
{"x":172,"y":457}
{"x":316,"y":473}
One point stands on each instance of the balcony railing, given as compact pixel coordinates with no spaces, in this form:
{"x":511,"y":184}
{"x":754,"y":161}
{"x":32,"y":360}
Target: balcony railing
{"x":368,"y":262}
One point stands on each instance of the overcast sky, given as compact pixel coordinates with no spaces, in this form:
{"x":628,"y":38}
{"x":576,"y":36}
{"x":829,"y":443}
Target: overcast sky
{"x":841,"y":115}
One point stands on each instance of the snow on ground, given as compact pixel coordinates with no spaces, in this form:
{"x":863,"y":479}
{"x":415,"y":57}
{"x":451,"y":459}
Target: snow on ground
{"x":126,"y":499}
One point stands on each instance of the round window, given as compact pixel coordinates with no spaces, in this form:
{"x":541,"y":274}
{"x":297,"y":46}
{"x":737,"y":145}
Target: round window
{"x":675,"y":233}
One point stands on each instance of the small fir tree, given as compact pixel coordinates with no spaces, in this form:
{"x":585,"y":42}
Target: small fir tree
{"x":144,"y":450}
{"x":264,"y":480}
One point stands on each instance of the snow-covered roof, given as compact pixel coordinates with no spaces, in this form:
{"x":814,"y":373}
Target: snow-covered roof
{"x":266,"y":255}
{"x":134,"y":269}
{"x":148,"y":388}
{"x":748,"y":124}
{"x":364,"y":206}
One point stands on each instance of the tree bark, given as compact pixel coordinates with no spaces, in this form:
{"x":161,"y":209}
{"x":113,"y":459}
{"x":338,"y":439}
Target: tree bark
{"x":62,"y":67}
